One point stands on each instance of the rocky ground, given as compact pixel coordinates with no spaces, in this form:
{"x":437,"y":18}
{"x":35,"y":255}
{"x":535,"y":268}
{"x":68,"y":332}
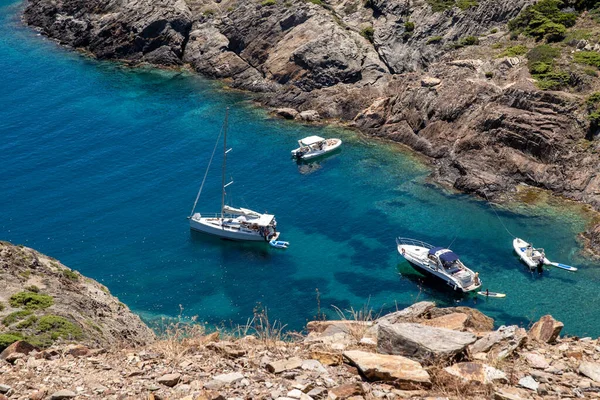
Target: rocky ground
{"x":420,"y":72}
{"x":421,"y":352}
{"x":43,"y":302}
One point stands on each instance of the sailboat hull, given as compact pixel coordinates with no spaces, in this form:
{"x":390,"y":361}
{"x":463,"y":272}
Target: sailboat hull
{"x":220,"y":228}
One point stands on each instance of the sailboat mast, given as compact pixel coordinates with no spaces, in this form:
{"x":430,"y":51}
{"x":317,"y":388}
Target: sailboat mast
{"x":224,"y":160}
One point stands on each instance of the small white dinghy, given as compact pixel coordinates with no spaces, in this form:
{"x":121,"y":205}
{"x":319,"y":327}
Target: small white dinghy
{"x":279,"y":244}
{"x":315,"y":146}
{"x":535,"y":258}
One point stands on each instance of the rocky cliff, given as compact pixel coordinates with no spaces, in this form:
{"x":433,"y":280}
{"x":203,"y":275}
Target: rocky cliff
{"x":44,"y":302}
{"x":440,"y":76}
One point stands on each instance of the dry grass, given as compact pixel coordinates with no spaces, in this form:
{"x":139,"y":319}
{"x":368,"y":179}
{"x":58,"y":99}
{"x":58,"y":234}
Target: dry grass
{"x":451,"y":386}
{"x":359,"y":321}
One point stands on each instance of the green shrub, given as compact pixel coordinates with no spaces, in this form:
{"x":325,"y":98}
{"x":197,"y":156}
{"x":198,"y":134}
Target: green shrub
{"x":489,"y":74}
{"x":30,"y":300}
{"x":317,"y":2}
{"x":593,"y":72}
{"x":6,"y":339}
{"x":71,"y":275}
{"x":544,"y":53}
{"x":593,"y":100}
{"x":209,"y":13}
{"x":409,"y":26}
{"x":1,"y":306}
{"x":494,"y":30}
{"x":59,"y":327}
{"x":466,"y":41}
{"x":545,"y":19}
{"x":514,"y":51}
{"x":441,"y":5}
{"x":553,"y":80}
{"x":595,"y":118}
{"x":268,"y":3}
{"x":465,"y":4}
{"x":588,"y":57}
{"x":368,"y":33}
{"x":27,"y":323}
{"x":15,"y":316}
{"x":434,"y":39}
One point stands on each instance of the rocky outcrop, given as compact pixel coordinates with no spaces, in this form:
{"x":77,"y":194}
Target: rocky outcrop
{"x":43,"y":301}
{"x":423,"y":343}
{"x":546,"y":329}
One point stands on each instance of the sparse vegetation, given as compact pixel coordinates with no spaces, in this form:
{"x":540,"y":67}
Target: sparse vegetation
{"x":33,"y":289}
{"x":59,"y":327}
{"x":71,"y":275}
{"x":15,"y":316}
{"x":541,"y":66}
{"x":268,"y":3}
{"x":514,"y":51}
{"x":587,"y":57}
{"x":443,"y":5}
{"x":368,"y":33}
{"x":466,"y":4}
{"x":317,"y":2}
{"x":466,"y":41}
{"x":434,"y":39}
{"x":31,"y":300}
{"x":1,"y":306}
{"x":27,"y":323}
{"x":544,"y":20}
{"x":489,"y":74}
{"x":409,"y":26}
{"x":6,"y":339}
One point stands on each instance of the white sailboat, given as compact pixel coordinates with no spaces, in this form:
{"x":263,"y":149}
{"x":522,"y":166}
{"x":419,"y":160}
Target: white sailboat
{"x":232,"y":223}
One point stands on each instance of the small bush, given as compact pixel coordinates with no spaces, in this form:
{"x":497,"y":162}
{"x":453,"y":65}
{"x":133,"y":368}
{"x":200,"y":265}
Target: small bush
{"x":590,"y":72}
{"x":409,"y":26}
{"x":268,"y":3}
{"x":209,"y":13}
{"x":434,"y":39}
{"x":466,"y":41}
{"x":59,"y":327}
{"x":368,"y":33}
{"x":6,"y":339}
{"x":30,"y":300}
{"x":544,"y":20}
{"x":15,"y":316}
{"x":541,"y":67}
{"x":71,"y":275}
{"x":514,"y":51}
{"x":543,"y":53}
{"x":33,"y":289}
{"x":593,"y":100}
{"x":317,"y":2}
{"x":27,"y":323}
{"x":441,"y":5}
{"x":595,"y":118}
{"x":1,"y":306}
{"x":489,"y":74}
{"x":494,"y":30}
{"x":588,"y":57}
{"x":466,"y":4}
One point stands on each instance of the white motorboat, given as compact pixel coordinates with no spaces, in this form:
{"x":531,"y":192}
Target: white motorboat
{"x":232,"y":223}
{"x":438,"y":262}
{"x":315,"y":146}
{"x":535,"y":258}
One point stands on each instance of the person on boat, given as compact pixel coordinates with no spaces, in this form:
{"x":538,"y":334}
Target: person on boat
{"x":487,"y":292}
{"x":540,"y":265}
{"x":529,"y":250}
{"x":476,"y":279}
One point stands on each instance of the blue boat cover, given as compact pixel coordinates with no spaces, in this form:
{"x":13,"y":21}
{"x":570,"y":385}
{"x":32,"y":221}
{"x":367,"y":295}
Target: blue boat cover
{"x":434,"y":250}
{"x":448,"y":257}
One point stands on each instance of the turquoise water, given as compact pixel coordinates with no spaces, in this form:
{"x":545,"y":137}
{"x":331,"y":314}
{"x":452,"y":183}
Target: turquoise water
{"x":101,"y":164}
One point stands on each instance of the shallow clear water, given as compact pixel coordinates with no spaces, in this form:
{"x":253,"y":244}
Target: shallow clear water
{"x":100,"y":166}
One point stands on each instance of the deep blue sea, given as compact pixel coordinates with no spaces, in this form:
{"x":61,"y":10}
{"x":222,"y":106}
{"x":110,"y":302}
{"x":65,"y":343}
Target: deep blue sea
{"x":100,"y":165}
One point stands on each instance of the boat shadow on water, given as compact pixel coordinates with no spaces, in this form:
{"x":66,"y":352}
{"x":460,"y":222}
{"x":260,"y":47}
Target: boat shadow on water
{"x":306,"y":167}
{"x":233,"y":248}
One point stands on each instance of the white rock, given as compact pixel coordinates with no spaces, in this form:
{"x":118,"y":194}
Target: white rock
{"x":529,"y":383}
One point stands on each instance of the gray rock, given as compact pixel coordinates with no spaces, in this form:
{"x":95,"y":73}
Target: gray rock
{"x":4,"y":388}
{"x":529,"y":383}
{"x":501,"y":343}
{"x":229,"y":379}
{"x":407,"y":314}
{"x":476,"y":372}
{"x":62,"y":394}
{"x":169,"y":380}
{"x":424,"y":343}
{"x":309,"y":115}
{"x":591,"y":370}
{"x":287,"y":113}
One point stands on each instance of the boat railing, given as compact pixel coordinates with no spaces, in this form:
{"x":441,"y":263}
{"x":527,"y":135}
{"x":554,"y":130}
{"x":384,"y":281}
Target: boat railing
{"x":225,"y":215}
{"x":413,"y":242}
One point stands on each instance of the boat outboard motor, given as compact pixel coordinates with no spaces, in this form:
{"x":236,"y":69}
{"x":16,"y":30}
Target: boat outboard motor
{"x":540,"y":266}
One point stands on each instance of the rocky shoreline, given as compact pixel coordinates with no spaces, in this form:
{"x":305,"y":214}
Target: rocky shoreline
{"x":434,"y":80}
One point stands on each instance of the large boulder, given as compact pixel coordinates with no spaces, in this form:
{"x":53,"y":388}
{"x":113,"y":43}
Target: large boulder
{"x":476,"y":320}
{"x":408,"y":374}
{"x":454,"y":321}
{"x":501,"y":343}
{"x":546,"y":329}
{"x":18,"y":347}
{"x":424,"y":343}
{"x":408,"y":314}
{"x":591,"y":370}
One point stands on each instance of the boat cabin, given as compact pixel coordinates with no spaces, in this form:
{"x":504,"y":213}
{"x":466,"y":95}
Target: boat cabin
{"x":446,"y":259}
